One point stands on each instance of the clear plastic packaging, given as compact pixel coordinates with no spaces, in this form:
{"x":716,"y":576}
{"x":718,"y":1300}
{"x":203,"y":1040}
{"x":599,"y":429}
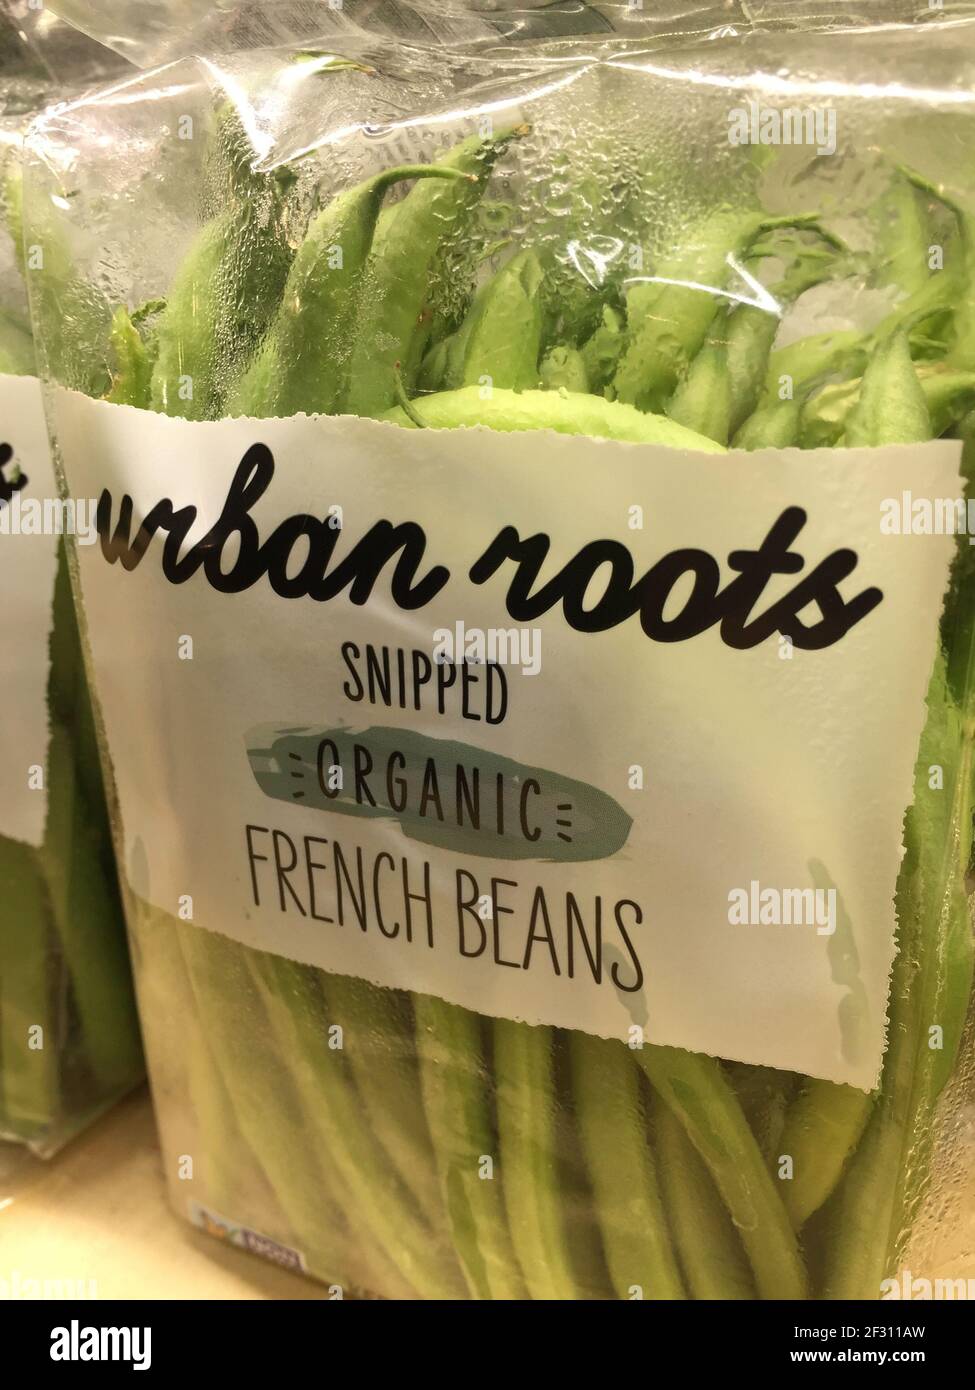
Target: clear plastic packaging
{"x":69,"y":1036}
{"x":646,"y":241}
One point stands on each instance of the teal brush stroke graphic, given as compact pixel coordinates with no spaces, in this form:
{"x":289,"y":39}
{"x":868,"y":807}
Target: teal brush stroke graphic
{"x":414,"y":780}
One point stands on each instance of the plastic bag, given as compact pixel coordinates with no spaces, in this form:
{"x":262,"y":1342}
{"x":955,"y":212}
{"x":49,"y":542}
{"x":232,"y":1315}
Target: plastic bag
{"x":69,"y":1038}
{"x":517,"y":820}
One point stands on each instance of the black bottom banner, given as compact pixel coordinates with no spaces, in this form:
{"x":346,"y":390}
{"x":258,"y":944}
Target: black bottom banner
{"x":253,"y":1338}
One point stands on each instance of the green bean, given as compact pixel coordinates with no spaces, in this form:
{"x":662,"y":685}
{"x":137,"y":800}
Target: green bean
{"x":621,"y":1165}
{"x":195,"y":1052}
{"x":724,"y":382}
{"x":225,"y":293}
{"x":437,"y":328}
{"x":303,"y":364}
{"x":565,"y":412}
{"x":30,"y":1093}
{"x":86,"y":915}
{"x":703,"y":399}
{"x":764,"y":1093}
{"x":956,"y":284}
{"x":711,"y":1254}
{"x":398,"y":272}
{"x":827,"y":1122}
{"x":694,"y":1089}
{"x":823,"y":1127}
{"x":669,"y":314}
{"x":69,"y":703}
{"x":752,"y":329}
{"x":457,"y":1087}
{"x":903,"y":260}
{"x":813,"y":359}
{"x":774,"y":426}
{"x":601,"y":350}
{"x":433,"y":368}
{"x":66,"y":678}
{"x":378,"y":1042}
{"x":947,"y":394}
{"x":455,"y":350}
{"x":576,"y":309}
{"x":425,"y":337}
{"x":942,"y":983}
{"x":858,"y":1217}
{"x":563,"y":368}
{"x":16,"y":346}
{"x":930,"y":988}
{"x":891,"y":408}
{"x":580,"y":283}
{"x":505,"y":338}
{"x":524,"y":1078}
{"x":590,"y":1271}
{"x":775,"y":1118}
{"x":223,"y":1151}
{"x":442,"y":366}
{"x":931,"y":978}
{"x":751,"y":333}
{"x":132,"y":377}
{"x":270,"y":1107}
{"x":70,"y":317}
{"x":799,"y":403}
{"x":903,"y":236}
{"x":825,"y":413}
{"x":223,"y":1159}
{"x":292,"y":999}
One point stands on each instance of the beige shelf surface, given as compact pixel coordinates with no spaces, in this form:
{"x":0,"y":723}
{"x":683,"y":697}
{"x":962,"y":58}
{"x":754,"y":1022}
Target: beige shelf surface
{"x":96,"y":1218}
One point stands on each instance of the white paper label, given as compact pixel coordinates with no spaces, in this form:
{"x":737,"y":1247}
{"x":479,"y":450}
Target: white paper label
{"x":640,"y":823}
{"x":28,"y":565}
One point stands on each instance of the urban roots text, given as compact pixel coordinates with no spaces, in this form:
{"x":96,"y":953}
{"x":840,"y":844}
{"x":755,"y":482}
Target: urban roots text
{"x":732,"y":606}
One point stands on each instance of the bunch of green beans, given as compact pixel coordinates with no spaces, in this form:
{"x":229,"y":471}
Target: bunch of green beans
{"x":616,"y":1171}
{"x":69,"y":1035}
